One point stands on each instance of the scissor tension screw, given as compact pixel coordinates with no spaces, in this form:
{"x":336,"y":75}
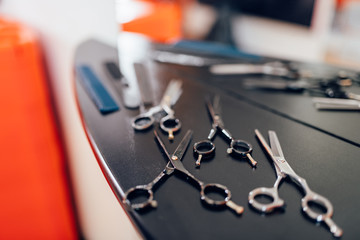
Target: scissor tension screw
{"x":174,"y":158}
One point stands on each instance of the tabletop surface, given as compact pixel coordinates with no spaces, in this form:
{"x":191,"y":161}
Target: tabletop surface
{"x":322,"y":147}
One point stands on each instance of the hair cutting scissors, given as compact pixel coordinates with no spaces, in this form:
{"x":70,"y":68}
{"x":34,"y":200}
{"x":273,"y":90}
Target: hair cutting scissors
{"x":283,"y":170}
{"x":168,"y":123}
{"x":176,"y":164}
{"x":205,"y":148}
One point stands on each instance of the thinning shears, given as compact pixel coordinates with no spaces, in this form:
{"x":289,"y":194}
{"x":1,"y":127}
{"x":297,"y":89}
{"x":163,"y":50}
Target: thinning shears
{"x":284,"y":170}
{"x":176,"y":164}
{"x":206,"y":148}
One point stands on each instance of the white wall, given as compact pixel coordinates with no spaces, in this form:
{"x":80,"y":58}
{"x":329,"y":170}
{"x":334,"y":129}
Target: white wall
{"x":62,"y":25}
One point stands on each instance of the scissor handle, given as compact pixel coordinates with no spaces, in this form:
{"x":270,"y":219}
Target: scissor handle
{"x":142,"y":122}
{"x":326,"y":217}
{"x":170,"y":124}
{"x":137,"y":192}
{"x":271,"y":193}
{"x":203,"y":149}
{"x":242,"y":149}
{"x":223,"y":190}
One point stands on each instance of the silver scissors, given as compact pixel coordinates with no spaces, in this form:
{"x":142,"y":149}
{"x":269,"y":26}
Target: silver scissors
{"x":168,"y":123}
{"x":206,"y":149}
{"x":283,"y":170}
{"x":176,"y":164}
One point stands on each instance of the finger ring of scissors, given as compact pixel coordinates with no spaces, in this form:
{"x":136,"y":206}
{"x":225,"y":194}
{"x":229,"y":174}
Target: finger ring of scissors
{"x":215,"y":188}
{"x":170,"y":125}
{"x":203,"y":150}
{"x":142,"y":122}
{"x":140,"y":192}
{"x":142,"y":196}
{"x":242,"y":149}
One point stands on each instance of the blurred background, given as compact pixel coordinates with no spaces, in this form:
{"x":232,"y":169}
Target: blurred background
{"x":307,"y":30}
{"x":52,"y":186}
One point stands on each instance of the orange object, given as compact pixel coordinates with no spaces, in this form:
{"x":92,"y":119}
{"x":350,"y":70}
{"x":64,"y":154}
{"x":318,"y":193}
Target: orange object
{"x":161,"y":23}
{"x":35,"y":200}
{"x":340,"y":4}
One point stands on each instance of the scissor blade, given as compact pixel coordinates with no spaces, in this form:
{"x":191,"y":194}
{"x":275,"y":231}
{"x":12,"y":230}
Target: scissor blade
{"x":172,"y":93}
{"x":210,"y":108}
{"x":263,"y":142}
{"x":216,"y":105}
{"x":175,"y":159}
{"x":268,"y":150}
{"x":275,"y":145}
{"x":181,"y":149}
{"x":162,"y":144}
{"x":215,"y":110}
{"x":176,"y":164}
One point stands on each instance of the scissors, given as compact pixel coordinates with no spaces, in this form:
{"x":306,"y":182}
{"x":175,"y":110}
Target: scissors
{"x":168,"y":123}
{"x":206,"y":149}
{"x":176,"y":164}
{"x":283,"y":170}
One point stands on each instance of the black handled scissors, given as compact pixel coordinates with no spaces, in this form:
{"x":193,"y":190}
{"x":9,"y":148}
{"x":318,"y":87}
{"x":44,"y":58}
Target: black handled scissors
{"x":206,"y":148}
{"x":168,"y":123}
{"x":175,"y":161}
{"x":283,"y":170}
